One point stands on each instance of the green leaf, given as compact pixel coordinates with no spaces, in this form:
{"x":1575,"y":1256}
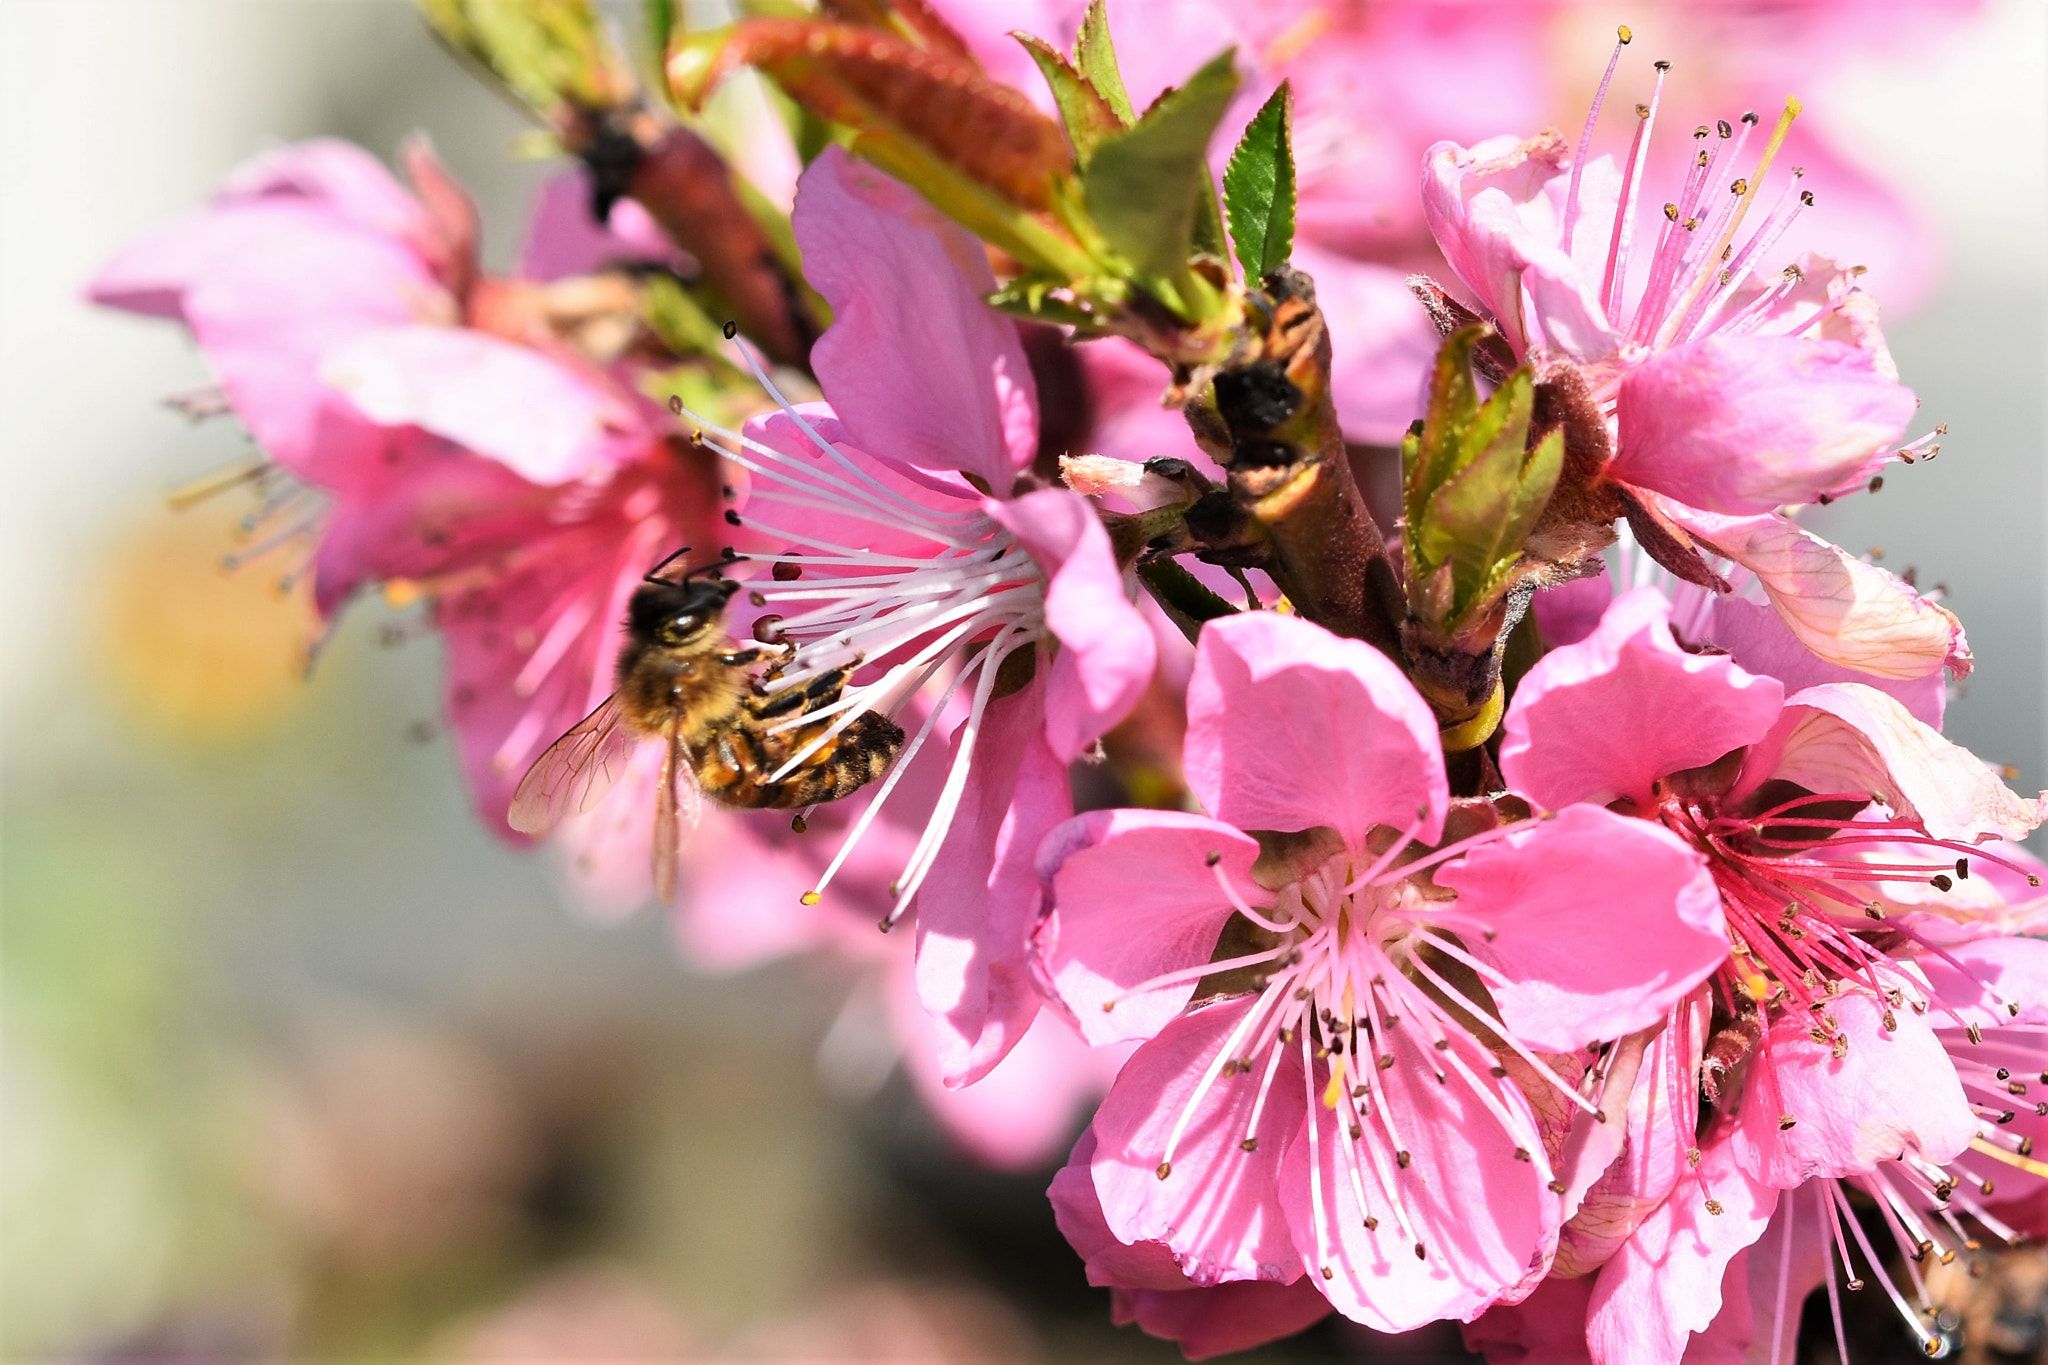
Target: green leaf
{"x":1095,"y":60}
{"x":661,"y":22}
{"x":1185,"y":598}
{"x":1473,"y":488}
{"x":1087,"y":116}
{"x":1258,"y":187}
{"x":1144,"y":185}
{"x":1030,"y":297}
{"x":547,"y":51}
{"x":680,"y":321}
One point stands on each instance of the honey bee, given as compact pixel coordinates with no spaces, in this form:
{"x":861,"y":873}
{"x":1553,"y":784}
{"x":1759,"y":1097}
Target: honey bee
{"x":684,"y":683}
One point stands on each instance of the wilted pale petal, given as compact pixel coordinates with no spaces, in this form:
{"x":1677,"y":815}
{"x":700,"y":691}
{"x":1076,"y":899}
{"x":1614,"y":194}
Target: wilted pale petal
{"x":1845,"y":737}
{"x":1758,"y":639}
{"x":1848,"y":612}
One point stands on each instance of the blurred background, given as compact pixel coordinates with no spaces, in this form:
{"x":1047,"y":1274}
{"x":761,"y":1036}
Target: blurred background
{"x":299,"y":1063}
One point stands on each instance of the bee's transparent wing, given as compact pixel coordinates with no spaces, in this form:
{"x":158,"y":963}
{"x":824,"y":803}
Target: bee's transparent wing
{"x":575,"y":772}
{"x":677,"y":801}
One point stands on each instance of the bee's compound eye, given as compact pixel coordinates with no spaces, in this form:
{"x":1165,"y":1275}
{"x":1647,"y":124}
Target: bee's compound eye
{"x":680,"y":628}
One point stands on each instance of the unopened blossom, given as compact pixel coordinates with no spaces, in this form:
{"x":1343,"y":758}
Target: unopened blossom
{"x":1325,"y":1108}
{"x":441,"y":432}
{"x":1820,"y":815}
{"x":907,"y":546}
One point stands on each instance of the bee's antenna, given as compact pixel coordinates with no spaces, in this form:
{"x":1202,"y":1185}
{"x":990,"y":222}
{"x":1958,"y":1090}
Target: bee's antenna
{"x":653,"y":575}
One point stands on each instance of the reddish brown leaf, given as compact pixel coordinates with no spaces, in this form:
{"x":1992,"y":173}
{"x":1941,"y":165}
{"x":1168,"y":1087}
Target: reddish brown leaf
{"x":871,"y":81}
{"x":922,"y":21}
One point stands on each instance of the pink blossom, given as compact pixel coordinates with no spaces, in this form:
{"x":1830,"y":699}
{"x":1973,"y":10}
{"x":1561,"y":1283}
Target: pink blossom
{"x":1242,"y":1135}
{"x":909,"y":545}
{"x":1732,"y":388}
{"x":315,"y":278}
{"x":1814,"y":811}
{"x":1728,"y":394}
{"x":456,"y":448}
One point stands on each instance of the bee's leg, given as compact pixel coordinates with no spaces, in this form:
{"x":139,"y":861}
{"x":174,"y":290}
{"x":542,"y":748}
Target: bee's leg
{"x":820,"y":691}
{"x":740,"y":658}
{"x":787,"y":702}
{"x":824,"y":689}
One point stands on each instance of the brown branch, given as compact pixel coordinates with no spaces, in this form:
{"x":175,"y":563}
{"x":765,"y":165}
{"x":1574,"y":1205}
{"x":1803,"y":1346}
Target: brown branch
{"x":1289,"y":473}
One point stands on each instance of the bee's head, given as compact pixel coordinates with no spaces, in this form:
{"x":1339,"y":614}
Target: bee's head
{"x":676,"y":615}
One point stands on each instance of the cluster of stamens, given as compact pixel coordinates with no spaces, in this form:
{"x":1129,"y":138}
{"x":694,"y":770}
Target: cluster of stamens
{"x":968,"y":597}
{"x":1356,"y":950}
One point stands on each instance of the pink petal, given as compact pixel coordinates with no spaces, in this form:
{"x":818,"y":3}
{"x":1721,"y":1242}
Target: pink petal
{"x":1484,"y":1218}
{"x":1598,"y":923}
{"x":1134,"y":896}
{"x":538,"y":417}
{"x":1757,"y":639}
{"x":1974,"y":982}
{"x":268,"y":320}
{"x":921,"y":370}
{"x":1218,"y":1208}
{"x":150,"y":275}
{"x":408,"y":505}
{"x":1222,"y":1319}
{"x":1660,"y":1114}
{"x":1110,"y":1263}
{"x":1291,"y":727}
{"x":1026,"y":1109}
{"x":1547,"y":1328}
{"x":452,"y":229}
{"x":340,"y":178}
{"x":1894,"y":1091}
{"x":1844,"y":737}
{"x":1665,"y":1283}
{"x":1106,"y":650}
{"x":562,"y":239}
{"x":1495,"y":215}
{"x":1608,"y":716}
{"x":1849,"y":613}
{"x":981,"y":897}
{"x":1742,"y":424}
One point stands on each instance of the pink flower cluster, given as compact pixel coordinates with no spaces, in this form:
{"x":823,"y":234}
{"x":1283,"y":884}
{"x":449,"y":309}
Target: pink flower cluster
{"x":1725,"y":960}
